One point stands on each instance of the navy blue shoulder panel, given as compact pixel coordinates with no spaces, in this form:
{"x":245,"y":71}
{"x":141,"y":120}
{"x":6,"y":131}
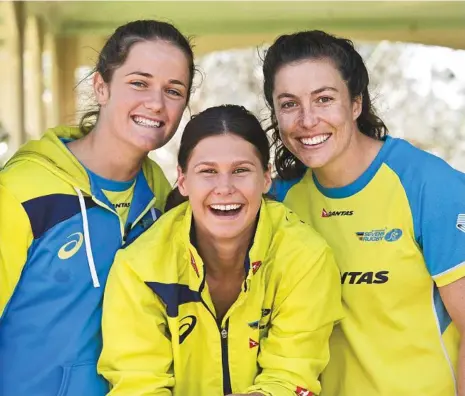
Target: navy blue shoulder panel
{"x":173,"y":295}
{"x":49,"y":210}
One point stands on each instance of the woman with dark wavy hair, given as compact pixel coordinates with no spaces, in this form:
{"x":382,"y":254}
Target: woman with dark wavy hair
{"x":394,"y":215}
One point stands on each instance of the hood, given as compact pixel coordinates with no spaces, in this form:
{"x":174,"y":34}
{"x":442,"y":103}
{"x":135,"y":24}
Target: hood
{"x":51,"y":153}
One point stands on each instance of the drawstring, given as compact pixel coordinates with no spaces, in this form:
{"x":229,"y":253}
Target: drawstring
{"x":85,"y":225}
{"x":153,"y":213}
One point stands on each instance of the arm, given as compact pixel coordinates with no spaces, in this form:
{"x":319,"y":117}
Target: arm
{"x":453,"y":296}
{"x":15,"y":239}
{"x":296,"y":351}
{"x":137,"y":355}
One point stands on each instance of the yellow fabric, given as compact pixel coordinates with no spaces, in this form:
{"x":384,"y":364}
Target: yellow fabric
{"x":43,"y":167}
{"x":121,"y":201}
{"x":288,"y":304}
{"x":389,"y":342}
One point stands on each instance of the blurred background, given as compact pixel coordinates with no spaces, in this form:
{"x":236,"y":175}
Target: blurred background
{"x":415,"y":52}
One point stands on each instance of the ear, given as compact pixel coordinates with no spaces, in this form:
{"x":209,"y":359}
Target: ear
{"x":268,"y":180}
{"x":101,"y":89}
{"x":357,"y":107}
{"x":182,"y":182}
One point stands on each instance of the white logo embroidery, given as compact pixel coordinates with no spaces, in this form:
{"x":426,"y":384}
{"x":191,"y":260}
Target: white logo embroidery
{"x":461,"y":222}
{"x":70,"y":248}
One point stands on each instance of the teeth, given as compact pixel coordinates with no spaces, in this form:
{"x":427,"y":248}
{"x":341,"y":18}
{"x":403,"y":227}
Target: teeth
{"x":315,"y":140}
{"x":226,"y":207}
{"x":146,"y":122}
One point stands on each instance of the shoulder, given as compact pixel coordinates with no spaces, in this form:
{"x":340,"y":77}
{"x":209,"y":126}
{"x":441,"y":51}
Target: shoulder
{"x":416,"y":167}
{"x":160,"y":243}
{"x":281,"y":187}
{"x":294,"y":242}
{"x":28,"y":180}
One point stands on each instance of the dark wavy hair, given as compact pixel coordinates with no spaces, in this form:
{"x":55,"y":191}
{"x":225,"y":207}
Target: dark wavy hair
{"x":316,"y":44}
{"x":214,"y":121}
{"x":116,"y":50}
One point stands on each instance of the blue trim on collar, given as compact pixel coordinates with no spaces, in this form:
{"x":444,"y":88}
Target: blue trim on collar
{"x":359,"y":184}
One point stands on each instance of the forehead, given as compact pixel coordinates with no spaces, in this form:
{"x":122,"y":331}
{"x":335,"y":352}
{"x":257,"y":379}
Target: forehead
{"x":156,"y":57}
{"x":224,"y":148}
{"x":307,"y":75}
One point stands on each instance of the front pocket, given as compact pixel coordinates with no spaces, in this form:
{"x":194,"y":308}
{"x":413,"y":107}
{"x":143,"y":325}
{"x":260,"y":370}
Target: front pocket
{"x":82,"y":379}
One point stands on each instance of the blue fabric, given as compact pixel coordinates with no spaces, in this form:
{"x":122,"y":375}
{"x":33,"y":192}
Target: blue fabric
{"x":436,"y":194}
{"x":441,"y":312}
{"x":363,"y":180}
{"x":50,"y":331}
{"x":108,"y":184}
{"x":174,"y":295}
{"x":47,"y":211}
{"x":280,"y":187}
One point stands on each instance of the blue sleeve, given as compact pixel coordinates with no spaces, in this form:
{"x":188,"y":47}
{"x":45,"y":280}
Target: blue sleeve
{"x":436,"y":193}
{"x":280,"y":188}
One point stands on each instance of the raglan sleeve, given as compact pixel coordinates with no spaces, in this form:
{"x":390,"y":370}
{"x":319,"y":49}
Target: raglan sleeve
{"x":307,"y":305}
{"x":15,"y":239}
{"x":439,"y":222}
{"x":137,"y":357}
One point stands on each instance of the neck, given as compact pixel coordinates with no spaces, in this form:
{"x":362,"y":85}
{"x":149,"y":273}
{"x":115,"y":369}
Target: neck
{"x":107,"y":156}
{"x":351,"y":164}
{"x":224,"y":257}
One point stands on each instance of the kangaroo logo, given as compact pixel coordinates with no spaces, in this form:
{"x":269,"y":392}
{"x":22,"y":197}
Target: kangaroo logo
{"x":70,"y":248}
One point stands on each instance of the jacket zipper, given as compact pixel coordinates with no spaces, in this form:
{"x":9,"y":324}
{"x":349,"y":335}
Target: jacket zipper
{"x":224,"y":344}
{"x":225,"y":358}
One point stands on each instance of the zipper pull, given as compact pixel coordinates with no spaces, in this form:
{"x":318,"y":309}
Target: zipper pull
{"x":224,"y":333}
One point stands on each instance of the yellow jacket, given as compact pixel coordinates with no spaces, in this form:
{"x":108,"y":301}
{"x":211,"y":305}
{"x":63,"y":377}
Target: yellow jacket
{"x":160,"y":334}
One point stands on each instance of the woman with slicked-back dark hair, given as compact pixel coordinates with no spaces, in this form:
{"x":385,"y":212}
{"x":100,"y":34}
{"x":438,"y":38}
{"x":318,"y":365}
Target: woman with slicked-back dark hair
{"x":394,"y":215}
{"x":70,"y":200}
{"x":228,"y":293}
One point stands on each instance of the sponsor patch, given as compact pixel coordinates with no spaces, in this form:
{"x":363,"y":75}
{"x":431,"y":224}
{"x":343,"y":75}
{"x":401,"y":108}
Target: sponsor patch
{"x":461,"y":222}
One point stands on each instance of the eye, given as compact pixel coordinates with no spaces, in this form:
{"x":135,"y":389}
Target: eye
{"x":207,"y":171}
{"x":138,"y":84}
{"x":173,"y":92}
{"x":324,"y":99}
{"x":241,"y":170}
{"x":289,"y":104}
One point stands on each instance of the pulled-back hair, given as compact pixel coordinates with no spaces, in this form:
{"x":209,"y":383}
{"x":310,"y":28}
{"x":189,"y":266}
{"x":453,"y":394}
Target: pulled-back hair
{"x":116,"y":50}
{"x":215,"y":121}
{"x":318,"y":45}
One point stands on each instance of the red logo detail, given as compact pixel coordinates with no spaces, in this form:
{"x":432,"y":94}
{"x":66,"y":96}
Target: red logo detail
{"x":194,"y":265}
{"x":252,"y":343}
{"x":324,"y":213}
{"x":303,"y":392}
{"x":255,"y":266}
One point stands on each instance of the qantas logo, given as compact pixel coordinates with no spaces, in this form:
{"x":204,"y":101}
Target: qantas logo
{"x":70,"y":248}
{"x":369,"y":278}
{"x":187,"y":326}
{"x":255,"y":266}
{"x":122,"y":205}
{"x":194,"y":265}
{"x":332,"y":213}
{"x":303,"y":392}
{"x":252,"y":343}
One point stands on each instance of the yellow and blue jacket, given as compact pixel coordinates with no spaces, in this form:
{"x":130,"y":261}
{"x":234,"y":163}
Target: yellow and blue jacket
{"x":160,"y":332}
{"x":58,"y":238}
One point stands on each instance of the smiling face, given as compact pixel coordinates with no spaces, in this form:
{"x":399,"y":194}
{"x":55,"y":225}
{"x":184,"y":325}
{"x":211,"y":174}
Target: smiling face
{"x":316,"y":116}
{"x":224,"y":181}
{"x":144,"y":101}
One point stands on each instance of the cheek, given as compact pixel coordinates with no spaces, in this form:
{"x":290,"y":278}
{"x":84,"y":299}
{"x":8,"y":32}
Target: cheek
{"x":175,"y":109}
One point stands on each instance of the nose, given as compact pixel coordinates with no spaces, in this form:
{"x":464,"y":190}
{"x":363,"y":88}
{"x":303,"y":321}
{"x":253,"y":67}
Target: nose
{"x":308,"y":117}
{"x":224,"y":184}
{"x":155,"y":101}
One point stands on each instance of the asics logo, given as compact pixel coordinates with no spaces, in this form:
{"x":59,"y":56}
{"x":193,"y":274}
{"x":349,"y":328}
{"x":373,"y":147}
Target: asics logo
{"x":187,"y":326}
{"x":70,"y":248}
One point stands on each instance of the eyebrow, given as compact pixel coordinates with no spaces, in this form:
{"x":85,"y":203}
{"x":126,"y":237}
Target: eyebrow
{"x":235,"y":163}
{"x":148,"y":75}
{"x":316,"y":91}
